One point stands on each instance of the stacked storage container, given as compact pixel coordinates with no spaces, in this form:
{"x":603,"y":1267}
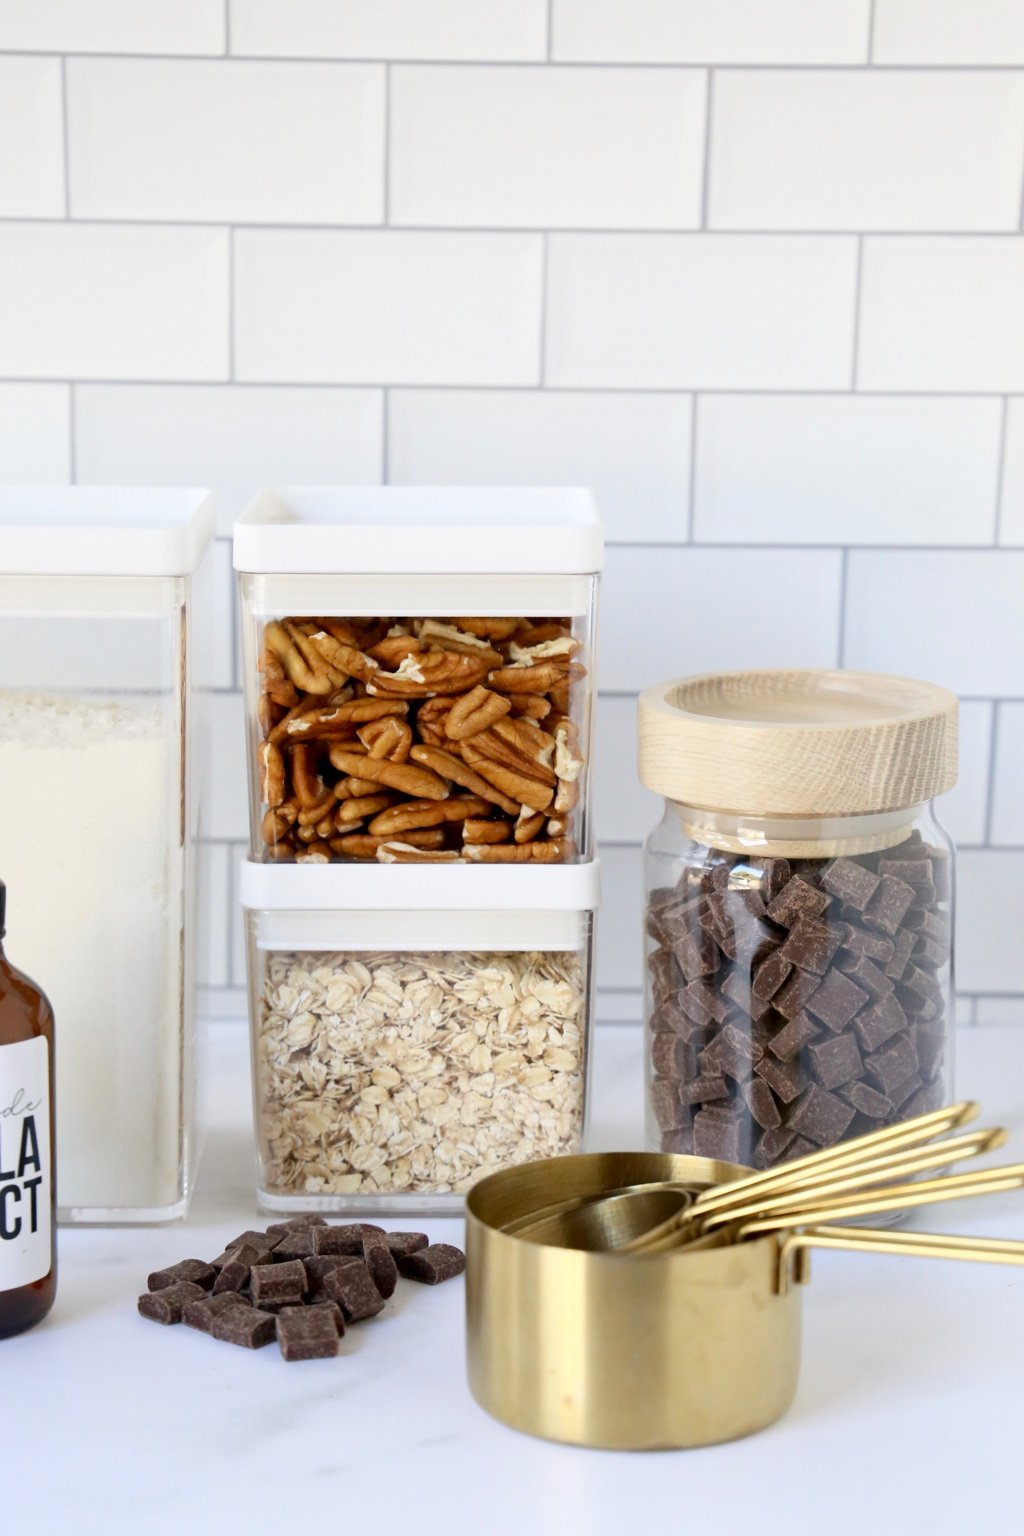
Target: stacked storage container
{"x":421,"y":889}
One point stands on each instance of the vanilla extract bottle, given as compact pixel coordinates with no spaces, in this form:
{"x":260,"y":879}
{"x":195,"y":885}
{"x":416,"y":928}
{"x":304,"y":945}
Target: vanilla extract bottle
{"x":28,"y":1258}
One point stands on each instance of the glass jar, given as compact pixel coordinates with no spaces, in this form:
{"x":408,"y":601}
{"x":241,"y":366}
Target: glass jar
{"x":799,"y":903}
{"x":99,"y":730}
{"x":404,"y":1046}
{"x":417,"y":669}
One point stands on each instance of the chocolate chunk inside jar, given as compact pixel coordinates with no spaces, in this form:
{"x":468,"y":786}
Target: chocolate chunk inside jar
{"x":798,"y":956}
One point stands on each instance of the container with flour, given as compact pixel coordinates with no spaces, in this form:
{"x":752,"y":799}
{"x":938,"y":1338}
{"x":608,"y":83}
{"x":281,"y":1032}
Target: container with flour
{"x":98,"y":731}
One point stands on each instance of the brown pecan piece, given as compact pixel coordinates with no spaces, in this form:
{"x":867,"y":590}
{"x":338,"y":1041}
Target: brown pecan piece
{"x":532,"y":705}
{"x":528,"y":826}
{"x":512,"y":782}
{"x":354,"y":810}
{"x":336,"y":720}
{"x":406,"y":853}
{"x":390,"y":738}
{"x":454,"y":768}
{"x":305,"y":666}
{"x":308,"y":785}
{"x":474,"y":712}
{"x":490,"y":628}
{"x":406,"y":777}
{"x":539,"y":679}
{"x":358,"y":845}
{"x":345,"y":660}
{"x":477,"y":831}
{"x":554,"y":852}
{"x":433,"y":672}
{"x":448,"y":637}
{"x":426,"y":813}
{"x":518,"y":744}
{"x":432,"y":721}
{"x":272,"y":774}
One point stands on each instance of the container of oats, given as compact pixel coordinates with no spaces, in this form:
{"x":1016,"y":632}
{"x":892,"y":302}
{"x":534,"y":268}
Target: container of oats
{"x":103,"y":594}
{"x":418,"y":672}
{"x":408,"y":1038}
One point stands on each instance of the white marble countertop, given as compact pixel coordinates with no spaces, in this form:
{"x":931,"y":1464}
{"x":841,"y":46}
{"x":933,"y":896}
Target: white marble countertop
{"x":907,"y":1420}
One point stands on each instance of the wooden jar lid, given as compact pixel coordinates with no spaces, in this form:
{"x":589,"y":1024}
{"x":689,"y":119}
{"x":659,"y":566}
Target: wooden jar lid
{"x":798,"y":743}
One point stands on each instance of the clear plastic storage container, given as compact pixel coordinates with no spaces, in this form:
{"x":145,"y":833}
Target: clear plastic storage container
{"x":799,"y":910}
{"x":98,"y":737}
{"x":404,"y":1044}
{"x":418,"y":673}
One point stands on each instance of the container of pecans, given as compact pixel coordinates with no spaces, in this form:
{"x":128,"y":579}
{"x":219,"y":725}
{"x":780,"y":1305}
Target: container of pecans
{"x":412,"y":1032}
{"x":799,"y":902}
{"x":418,"y":674}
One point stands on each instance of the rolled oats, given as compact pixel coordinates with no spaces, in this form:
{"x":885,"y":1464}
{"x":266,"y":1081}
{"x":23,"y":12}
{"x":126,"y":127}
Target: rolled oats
{"x":416,"y":1073}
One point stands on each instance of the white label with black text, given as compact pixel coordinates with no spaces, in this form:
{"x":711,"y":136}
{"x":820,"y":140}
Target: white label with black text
{"x":25,"y":1216}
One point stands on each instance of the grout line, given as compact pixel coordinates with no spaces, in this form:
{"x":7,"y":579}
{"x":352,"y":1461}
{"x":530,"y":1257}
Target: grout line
{"x":705,"y":185}
{"x":855,"y":362}
{"x":1001,"y":471}
{"x":65,"y":137}
{"x":593,"y":66}
{"x":227,"y":28}
{"x":549,"y":30}
{"x":231,"y":303}
{"x":990,"y":789}
{"x":385,"y":437}
{"x":386,"y":210}
{"x":1020,"y":221}
{"x":545,"y":272}
{"x":691,"y":509}
{"x":871,"y":33}
{"x":843,"y":570}
{"x":72,"y":436}
{"x":235,"y":637}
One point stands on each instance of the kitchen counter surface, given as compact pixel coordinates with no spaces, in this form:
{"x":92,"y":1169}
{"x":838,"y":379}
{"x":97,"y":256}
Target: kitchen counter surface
{"x":908,"y":1416}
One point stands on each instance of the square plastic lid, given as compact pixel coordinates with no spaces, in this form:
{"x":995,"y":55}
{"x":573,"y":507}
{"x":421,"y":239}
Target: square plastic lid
{"x":103,"y":531}
{"x":485,"y":530}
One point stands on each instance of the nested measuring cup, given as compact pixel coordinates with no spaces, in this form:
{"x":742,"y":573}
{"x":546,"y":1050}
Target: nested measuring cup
{"x":651,"y":1351}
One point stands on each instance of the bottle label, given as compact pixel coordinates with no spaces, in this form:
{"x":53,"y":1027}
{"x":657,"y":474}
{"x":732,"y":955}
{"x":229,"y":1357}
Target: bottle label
{"x":25,"y":1214}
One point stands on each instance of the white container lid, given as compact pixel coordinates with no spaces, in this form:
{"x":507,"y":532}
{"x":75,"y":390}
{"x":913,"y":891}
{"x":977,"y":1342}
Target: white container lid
{"x":421,"y":530}
{"x":420,"y":887}
{"x":101,"y":531}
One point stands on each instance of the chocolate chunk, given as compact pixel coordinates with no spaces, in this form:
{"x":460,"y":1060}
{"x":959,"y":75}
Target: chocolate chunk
{"x":710,"y":1001}
{"x":892,"y":1065}
{"x":820,"y":1117}
{"x":317,"y":1269}
{"x":691,"y":1001}
{"x":930,"y":955}
{"x":347,"y":1239}
{"x":717,"y":1136}
{"x":914,"y":871}
{"x":930,"y":1096}
{"x":934,"y":925}
{"x":666,"y":1104}
{"x":798,"y":1147}
{"x":889,"y":904}
{"x":810,"y":945}
{"x":859,"y":942}
{"x":245,"y":1326}
{"x":201,"y":1312}
{"x":942,"y":878}
{"x":670,"y":1019}
{"x":786,"y":1079}
{"x":879,"y":1023}
{"x":167,"y":1303}
{"x":836,"y":1001}
{"x":761,"y":1103}
{"x":796,"y":900}
{"x":775,"y":876}
{"x":234,"y":1275}
{"x":680,"y":1141}
{"x":772,"y":1146}
{"x":677,"y":919}
{"x":670,"y":1056}
{"x":411,"y":1242}
{"x":263,"y":1242}
{"x":278,"y":1282}
{"x":866,"y":974}
{"x":696,"y":957}
{"x":905,"y":1091}
{"x":867,"y":1100}
{"x":923,"y":983}
{"x":193,"y":1271}
{"x":705,"y":1088}
{"x":302,"y":1219}
{"x":792,"y":1037}
{"x":835,"y":1061}
{"x":432,"y":1265}
{"x":902,"y":948}
{"x":930,"y":1053}
{"x":329,"y":1308}
{"x":733,"y":1052}
{"x":737,"y":988}
{"x":351,"y":1286}
{"x":380,"y":1261}
{"x":755,"y":941}
{"x":307,"y":1333}
{"x":769,"y":976}
{"x":296,"y":1244}
{"x":849,"y":882}
{"x":795,"y":994}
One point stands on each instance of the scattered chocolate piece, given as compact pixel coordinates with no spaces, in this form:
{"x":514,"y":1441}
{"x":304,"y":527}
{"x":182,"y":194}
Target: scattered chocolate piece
{"x":247,"y":1327}
{"x":351,"y":1286}
{"x":380,"y":1261}
{"x":307,"y":1333}
{"x":431,"y":1265}
{"x":167,"y":1303}
{"x":201,"y":1312}
{"x":278,"y":1282}
{"x":836,"y":1000}
{"x":264,"y":1242}
{"x":234,"y":1275}
{"x":304,"y":1219}
{"x":835,"y":1061}
{"x":296,"y":1244}
{"x":331,"y":1308}
{"x":821,"y":1117}
{"x":193,"y":1271}
{"x":346,"y":1239}
{"x":406,"y":1242}
{"x":317,"y":1269}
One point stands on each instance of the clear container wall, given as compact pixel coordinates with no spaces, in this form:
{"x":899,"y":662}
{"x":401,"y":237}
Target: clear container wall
{"x":95,"y":743}
{"x":396,"y":1078}
{"x":792,"y":1002}
{"x":461,"y":737}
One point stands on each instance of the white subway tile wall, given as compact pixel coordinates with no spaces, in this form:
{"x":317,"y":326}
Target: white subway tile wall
{"x":752,"y":270}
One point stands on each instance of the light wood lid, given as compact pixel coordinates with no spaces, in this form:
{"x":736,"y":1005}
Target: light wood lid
{"x":798,"y":743}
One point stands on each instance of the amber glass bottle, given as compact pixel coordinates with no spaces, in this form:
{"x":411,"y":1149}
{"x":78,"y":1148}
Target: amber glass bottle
{"x":28,"y":1254}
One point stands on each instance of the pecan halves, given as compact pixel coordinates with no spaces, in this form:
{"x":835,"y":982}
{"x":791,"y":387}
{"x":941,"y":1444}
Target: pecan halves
{"x":358,"y":845}
{"x":305,"y":667}
{"x":426,"y":813}
{"x":433,"y":672}
{"x":454,"y":768}
{"x":528,"y":825}
{"x":474,"y":712}
{"x":272,"y":774}
{"x":512,"y":782}
{"x":308,"y":785}
{"x":347,"y":660}
{"x":475,"y":830}
{"x":490,"y":628}
{"x":553,"y":852}
{"x":335,"y":719}
{"x":538,"y":679}
{"x":409,"y":778}
{"x":388,"y":738}
{"x":406,"y":853}
{"x":448,"y":637}
{"x":432,"y":721}
{"x":351,"y":812}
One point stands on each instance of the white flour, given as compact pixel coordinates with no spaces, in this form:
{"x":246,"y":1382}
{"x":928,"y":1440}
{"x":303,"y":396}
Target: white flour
{"x":90,"y":852}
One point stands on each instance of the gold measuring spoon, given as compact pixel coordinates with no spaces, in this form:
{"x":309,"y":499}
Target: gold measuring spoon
{"x":794,"y":1250}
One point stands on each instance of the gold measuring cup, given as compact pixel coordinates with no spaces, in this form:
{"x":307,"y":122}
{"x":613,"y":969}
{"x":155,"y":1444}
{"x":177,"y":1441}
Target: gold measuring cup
{"x":643,"y":1351}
